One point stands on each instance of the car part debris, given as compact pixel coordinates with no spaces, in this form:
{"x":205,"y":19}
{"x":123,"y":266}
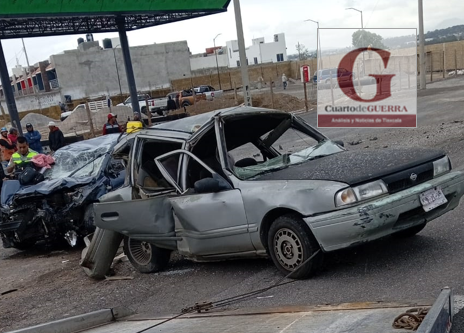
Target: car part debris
{"x":71,"y":238}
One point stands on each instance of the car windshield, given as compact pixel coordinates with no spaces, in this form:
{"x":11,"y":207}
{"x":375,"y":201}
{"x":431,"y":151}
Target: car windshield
{"x":70,"y":164}
{"x":287,"y":159}
{"x":82,"y":159}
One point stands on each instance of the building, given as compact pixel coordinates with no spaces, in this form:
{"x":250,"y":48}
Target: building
{"x":92,"y":71}
{"x":259,"y":52}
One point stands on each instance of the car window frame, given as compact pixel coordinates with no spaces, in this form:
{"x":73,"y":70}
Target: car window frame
{"x":137,"y":151}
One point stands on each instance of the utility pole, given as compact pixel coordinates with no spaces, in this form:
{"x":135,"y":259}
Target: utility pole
{"x":299,"y":53}
{"x":422,"y":59}
{"x":242,"y":53}
{"x":32,"y":80}
{"x":217,"y":64}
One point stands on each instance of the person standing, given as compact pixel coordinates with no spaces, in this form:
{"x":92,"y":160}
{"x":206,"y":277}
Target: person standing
{"x":33,"y":138}
{"x":171,"y":105}
{"x":13,"y":136}
{"x":22,"y":156}
{"x":6,"y":146}
{"x":55,"y":137}
{"x":112,"y":125}
{"x":284,"y":81}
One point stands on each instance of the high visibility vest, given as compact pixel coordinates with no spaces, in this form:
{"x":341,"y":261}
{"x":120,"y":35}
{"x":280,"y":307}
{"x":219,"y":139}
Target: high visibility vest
{"x":18,"y":160}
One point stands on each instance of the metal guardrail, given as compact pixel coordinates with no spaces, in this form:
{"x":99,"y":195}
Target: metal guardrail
{"x":439,"y":319}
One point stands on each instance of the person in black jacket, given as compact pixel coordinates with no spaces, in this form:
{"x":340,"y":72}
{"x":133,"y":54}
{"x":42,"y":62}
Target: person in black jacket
{"x":55,"y":137}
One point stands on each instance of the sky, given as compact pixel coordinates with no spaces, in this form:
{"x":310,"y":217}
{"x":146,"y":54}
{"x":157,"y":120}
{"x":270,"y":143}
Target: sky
{"x":264,"y":18}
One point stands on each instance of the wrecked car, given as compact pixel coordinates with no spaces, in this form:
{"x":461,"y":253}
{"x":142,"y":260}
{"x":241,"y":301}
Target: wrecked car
{"x":60,"y":207}
{"x":251,"y":182}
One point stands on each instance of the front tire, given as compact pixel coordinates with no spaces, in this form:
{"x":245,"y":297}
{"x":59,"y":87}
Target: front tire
{"x":146,"y":257}
{"x":291,"y":243}
{"x":410,"y":232}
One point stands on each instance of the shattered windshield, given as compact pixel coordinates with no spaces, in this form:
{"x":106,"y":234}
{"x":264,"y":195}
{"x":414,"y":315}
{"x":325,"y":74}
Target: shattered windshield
{"x":81,"y":159}
{"x":283,"y":161}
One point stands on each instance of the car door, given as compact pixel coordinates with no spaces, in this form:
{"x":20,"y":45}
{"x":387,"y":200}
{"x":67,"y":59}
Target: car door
{"x":210,"y":220}
{"x":147,"y":217}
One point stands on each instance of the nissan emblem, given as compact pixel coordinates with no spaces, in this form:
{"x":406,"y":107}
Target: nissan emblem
{"x":413,"y":177}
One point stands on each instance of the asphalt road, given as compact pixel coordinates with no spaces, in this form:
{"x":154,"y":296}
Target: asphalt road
{"x":386,"y":270}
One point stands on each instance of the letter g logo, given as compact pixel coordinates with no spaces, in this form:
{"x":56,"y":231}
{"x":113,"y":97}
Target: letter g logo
{"x":347,"y":62}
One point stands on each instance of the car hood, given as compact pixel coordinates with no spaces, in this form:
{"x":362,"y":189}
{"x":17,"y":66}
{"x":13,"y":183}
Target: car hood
{"x":48,"y":186}
{"x":353,"y":167}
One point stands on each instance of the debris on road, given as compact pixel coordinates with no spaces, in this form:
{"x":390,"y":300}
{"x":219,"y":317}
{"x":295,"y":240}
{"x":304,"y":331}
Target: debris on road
{"x":8,"y":291}
{"x":118,"y":278}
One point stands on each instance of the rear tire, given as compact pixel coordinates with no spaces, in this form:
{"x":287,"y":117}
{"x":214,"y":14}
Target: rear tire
{"x":410,"y":232}
{"x":185,"y":104}
{"x":290,"y":243}
{"x":146,"y":257}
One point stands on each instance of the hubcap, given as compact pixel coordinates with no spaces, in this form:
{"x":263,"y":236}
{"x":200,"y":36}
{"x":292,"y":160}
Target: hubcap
{"x":288,"y":249}
{"x":140,"y":251}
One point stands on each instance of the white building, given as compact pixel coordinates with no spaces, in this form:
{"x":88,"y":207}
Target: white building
{"x":208,"y":59}
{"x":259,"y":52}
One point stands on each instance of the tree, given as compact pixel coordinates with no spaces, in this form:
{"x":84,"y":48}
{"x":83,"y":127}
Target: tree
{"x":303,"y":52}
{"x":363,"y":38}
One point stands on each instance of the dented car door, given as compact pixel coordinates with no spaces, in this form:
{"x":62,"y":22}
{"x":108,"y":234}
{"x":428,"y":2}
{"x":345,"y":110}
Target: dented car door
{"x":209,"y":214}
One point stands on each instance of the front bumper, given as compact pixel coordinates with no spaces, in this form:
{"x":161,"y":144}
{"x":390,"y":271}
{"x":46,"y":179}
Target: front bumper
{"x":379,"y":218}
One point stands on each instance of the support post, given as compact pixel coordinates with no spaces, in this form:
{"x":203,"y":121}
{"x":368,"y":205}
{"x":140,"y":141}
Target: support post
{"x":306,"y":96}
{"x":8,"y":91}
{"x":455,"y":63}
{"x":272,"y":94}
{"x":431,"y":66}
{"x":421,"y":47}
{"x":128,"y":63}
{"x":243,"y":60}
{"x":89,"y":116}
{"x":443,"y":63}
{"x":235,"y":93}
{"x":148,"y":112}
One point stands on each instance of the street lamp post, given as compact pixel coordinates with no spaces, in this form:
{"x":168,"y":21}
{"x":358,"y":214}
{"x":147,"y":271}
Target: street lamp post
{"x":362,"y":35}
{"x":319,"y":61}
{"x":117,"y":70}
{"x":217,"y":64}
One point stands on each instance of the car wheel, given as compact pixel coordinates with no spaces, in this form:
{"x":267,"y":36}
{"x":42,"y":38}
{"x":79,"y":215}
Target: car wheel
{"x":143,"y":110}
{"x":89,"y":219}
{"x":290,"y":243}
{"x":410,"y":232}
{"x":146,"y":257}
{"x":185,"y":104}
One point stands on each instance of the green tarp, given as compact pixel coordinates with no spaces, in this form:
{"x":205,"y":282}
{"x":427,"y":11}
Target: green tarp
{"x":40,"y":8}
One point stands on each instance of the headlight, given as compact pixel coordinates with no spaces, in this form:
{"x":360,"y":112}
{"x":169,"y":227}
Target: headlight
{"x":360,"y":193}
{"x":441,"y":166}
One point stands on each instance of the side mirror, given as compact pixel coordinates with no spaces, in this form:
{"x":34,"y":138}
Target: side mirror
{"x":211,"y":185}
{"x":340,"y":143}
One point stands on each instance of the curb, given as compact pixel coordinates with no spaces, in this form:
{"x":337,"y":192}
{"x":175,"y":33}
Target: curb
{"x":80,"y":322}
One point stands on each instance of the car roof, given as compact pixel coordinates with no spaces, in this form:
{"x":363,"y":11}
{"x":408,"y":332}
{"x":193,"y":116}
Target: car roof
{"x":191,"y":124}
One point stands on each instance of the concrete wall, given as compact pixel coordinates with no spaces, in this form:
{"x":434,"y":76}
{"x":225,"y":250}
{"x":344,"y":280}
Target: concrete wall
{"x":209,"y":62}
{"x":93,"y":72}
{"x":29,"y":102}
{"x":263,"y":52}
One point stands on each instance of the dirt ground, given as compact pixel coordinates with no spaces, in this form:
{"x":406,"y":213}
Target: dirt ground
{"x":284,"y":102}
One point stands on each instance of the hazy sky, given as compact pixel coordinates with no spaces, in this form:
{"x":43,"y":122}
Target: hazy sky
{"x":264,"y":18}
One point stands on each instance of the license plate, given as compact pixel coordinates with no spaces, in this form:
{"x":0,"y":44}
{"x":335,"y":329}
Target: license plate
{"x":432,"y":198}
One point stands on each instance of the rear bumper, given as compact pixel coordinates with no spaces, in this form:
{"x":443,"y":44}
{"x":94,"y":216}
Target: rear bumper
{"x":379,"y":218}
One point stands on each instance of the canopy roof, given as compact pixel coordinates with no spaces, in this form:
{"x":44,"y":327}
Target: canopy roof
{"x":37,"y":18}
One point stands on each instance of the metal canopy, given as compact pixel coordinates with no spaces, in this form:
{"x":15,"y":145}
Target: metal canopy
{"x":38,"y":18}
